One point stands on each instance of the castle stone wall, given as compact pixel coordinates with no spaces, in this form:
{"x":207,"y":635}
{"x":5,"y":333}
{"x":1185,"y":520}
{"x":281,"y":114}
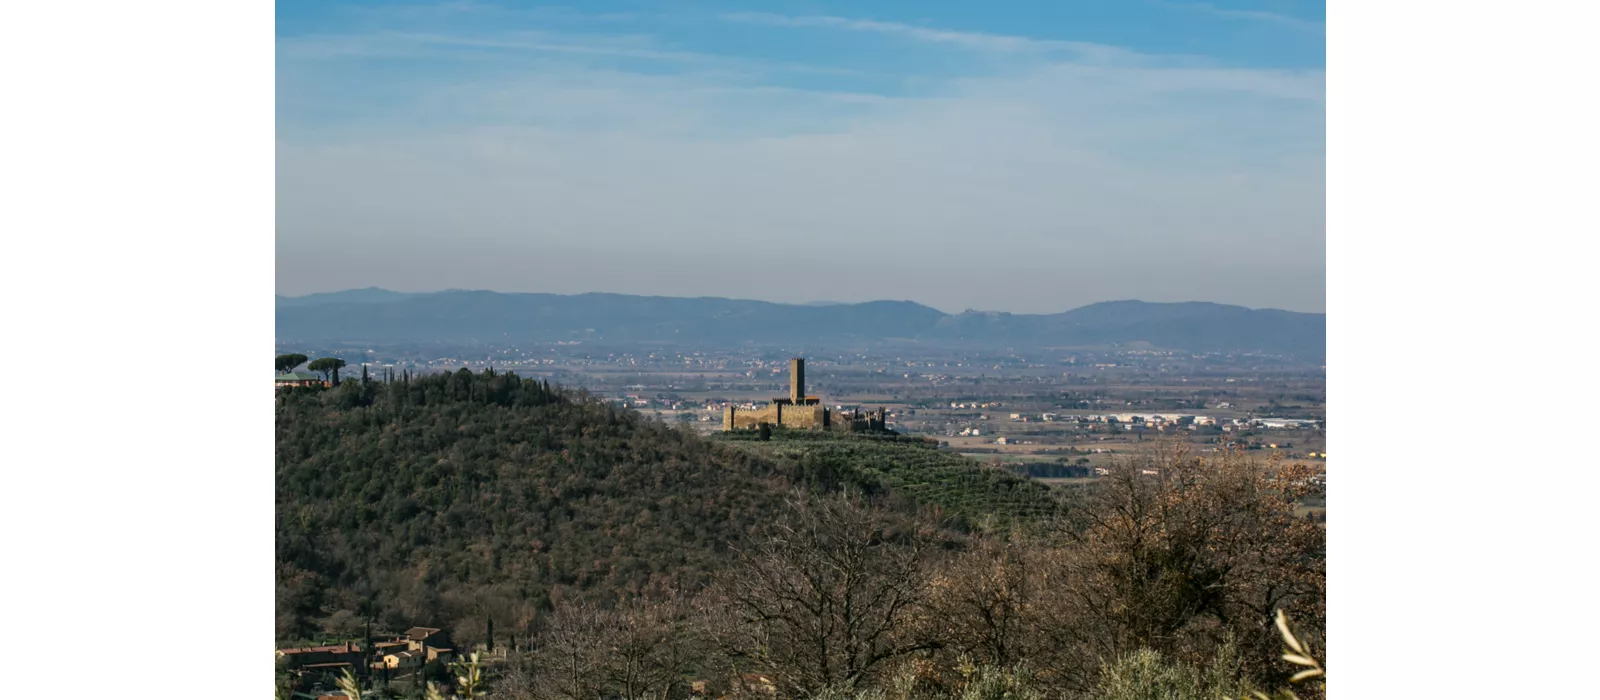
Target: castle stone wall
{"x":787,"y":416}
{"x":790,"y":412}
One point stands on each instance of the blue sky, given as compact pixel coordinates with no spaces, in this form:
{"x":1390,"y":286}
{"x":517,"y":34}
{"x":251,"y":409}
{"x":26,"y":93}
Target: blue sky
{"x":1020,"y":156}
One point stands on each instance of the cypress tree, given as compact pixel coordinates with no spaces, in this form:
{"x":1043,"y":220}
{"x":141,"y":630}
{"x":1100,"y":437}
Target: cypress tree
{"x":490,"y":633}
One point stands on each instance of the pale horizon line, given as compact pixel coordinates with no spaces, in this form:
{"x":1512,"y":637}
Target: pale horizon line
{"x":790,"y":303}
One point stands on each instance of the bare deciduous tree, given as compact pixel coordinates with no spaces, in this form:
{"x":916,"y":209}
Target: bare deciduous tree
{"x":981,"y":601}
{"x":827,"y":595}
{"x":638,"y":650}
{"x":1201,"y":550}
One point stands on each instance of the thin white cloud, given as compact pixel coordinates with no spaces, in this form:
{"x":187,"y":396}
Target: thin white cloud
{"x":433,"y":12}
{"x":530,"y":41}
{"x":1251,"y":15}
{"x":977,"y":41}
{"x":460,"y":46}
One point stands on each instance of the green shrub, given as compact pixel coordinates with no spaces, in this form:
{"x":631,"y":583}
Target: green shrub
{"x":1148,"y":675}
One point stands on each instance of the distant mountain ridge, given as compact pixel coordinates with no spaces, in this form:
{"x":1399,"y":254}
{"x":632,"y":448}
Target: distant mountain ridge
{"x":369,"y":295}
{"x":378,"y":315}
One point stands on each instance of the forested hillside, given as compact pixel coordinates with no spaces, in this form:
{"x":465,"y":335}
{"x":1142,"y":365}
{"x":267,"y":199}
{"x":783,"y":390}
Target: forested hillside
{"x":625,"y":558}
{"x":454,"y":498}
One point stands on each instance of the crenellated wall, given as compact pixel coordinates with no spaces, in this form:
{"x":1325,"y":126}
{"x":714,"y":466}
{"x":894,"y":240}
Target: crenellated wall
{"x":862,"y":421}
{"x":781,"y":415}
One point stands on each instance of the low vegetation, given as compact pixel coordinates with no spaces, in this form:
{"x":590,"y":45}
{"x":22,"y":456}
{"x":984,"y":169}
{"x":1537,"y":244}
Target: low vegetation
{"x":947,"y":487}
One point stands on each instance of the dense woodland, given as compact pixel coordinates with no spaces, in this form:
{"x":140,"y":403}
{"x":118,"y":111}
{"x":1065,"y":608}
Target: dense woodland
{"x":452,"y":498}
{"x":625,"y":558}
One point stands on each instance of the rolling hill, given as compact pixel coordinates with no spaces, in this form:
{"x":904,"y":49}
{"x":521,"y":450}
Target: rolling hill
{"x":448,"y":497}
{"x":379,"y":316}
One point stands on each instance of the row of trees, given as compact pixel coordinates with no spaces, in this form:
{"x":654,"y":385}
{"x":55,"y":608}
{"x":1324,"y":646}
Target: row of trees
{"x":328,"y":366}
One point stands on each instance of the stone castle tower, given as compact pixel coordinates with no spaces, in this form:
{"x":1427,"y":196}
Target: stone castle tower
{"x":797,"y":410}
{"x":797,"y":381}
{"x":793,"y":411}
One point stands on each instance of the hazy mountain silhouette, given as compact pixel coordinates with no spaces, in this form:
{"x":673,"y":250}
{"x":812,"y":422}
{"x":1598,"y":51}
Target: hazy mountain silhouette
{"x":370,"y":295}
{"x":377,"y":315}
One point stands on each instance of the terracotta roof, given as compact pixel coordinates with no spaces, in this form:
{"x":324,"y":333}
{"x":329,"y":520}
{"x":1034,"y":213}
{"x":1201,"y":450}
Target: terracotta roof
{"x":420,"y":632}
{"x":332,"y":648}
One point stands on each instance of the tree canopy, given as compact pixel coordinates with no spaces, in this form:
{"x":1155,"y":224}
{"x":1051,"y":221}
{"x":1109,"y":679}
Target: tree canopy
{"x":289,"y":361}
{"x":328,"y":366}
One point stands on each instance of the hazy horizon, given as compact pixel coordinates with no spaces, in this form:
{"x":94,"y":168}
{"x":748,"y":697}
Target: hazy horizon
{"x":812,"y":302}
{"x":1032,"y":159}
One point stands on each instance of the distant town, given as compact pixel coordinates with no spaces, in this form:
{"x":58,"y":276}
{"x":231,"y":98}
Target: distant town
{"x":1070,"y":413}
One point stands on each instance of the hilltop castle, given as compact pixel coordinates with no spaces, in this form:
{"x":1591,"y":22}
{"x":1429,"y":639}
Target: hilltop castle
{"x":797,"y":410}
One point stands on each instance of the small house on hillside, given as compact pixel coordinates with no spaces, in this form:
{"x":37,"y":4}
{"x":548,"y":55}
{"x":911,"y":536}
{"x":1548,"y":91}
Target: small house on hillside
{"x":299,"y":379}
{"x":334,"y":668}
{"x":303,"y":657}
{"x":418,"y":639}
{"x":403,"y":659}
{"x":382,"y":649}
